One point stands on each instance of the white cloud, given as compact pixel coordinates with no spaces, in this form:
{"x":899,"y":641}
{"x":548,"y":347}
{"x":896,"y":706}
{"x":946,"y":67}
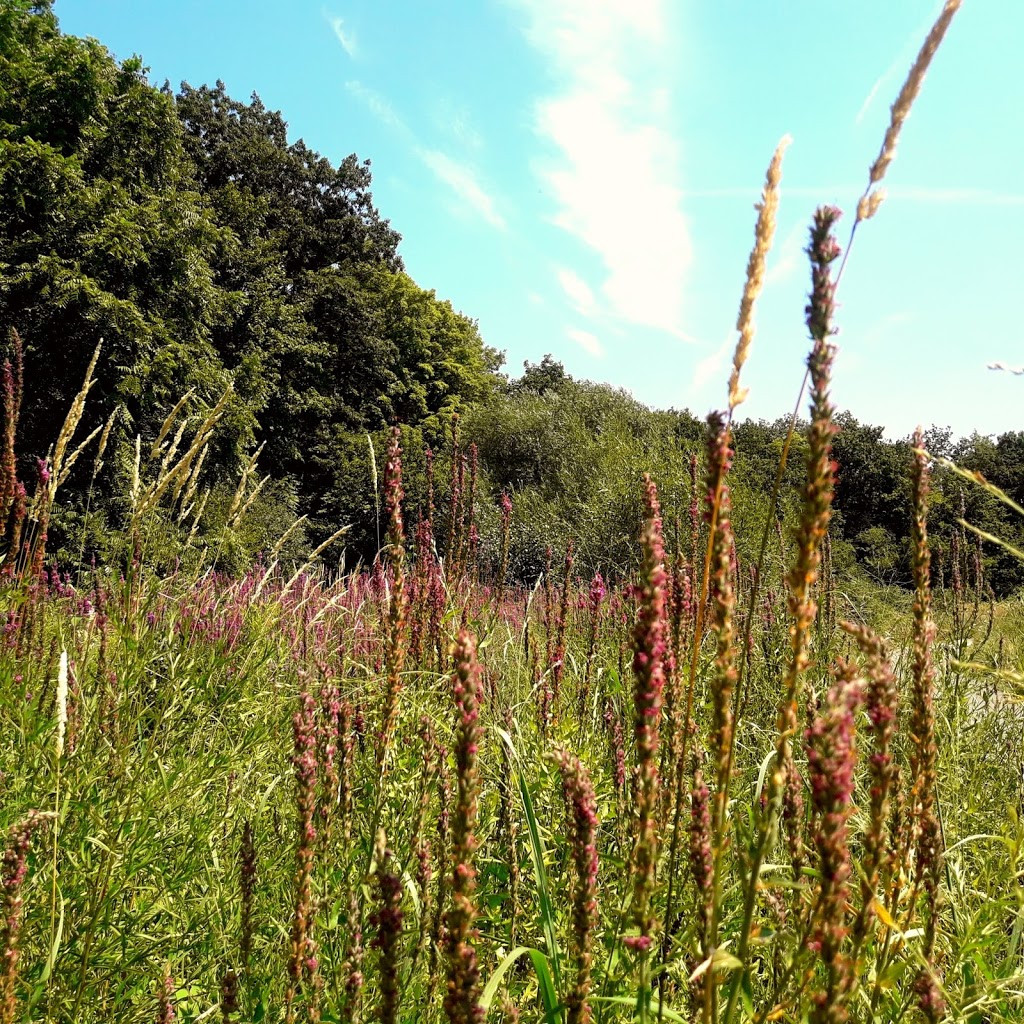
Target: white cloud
{"x":377,"y":105}
{"x":849,"y":193}
{"x":787,"y":256}
{"x":455,"y":121}
{"x":711,"y":366}
{"x":902,"y":62}
{"x":579,"y":292}
{"x":586,"y":341}
{"x":343,"y":35}
{"x":458,"y":177}
{"x":615,"y":167}
{"x":463,"y":182}
{"x":955,"y":196}
{"x":871,"y":96}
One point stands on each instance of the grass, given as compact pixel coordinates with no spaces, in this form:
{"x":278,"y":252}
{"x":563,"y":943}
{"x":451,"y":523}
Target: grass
{"x":179,"y":733}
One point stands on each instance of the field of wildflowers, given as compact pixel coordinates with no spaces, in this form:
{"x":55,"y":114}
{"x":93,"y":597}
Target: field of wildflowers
{"x":421,"y":791}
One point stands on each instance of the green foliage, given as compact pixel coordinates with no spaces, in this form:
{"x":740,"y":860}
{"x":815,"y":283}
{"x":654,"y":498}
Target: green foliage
{"x":205,"y":248}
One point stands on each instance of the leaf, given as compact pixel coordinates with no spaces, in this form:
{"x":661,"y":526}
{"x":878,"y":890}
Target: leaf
{"x":626,"y":1001}
{"x":540,"y":873}
{"x":491,"y":988}
{"x":548,"y":994}
{"x":55,"y":948}
{"x":720,"y":960}
{"x":747,"y":993}
{"x":882,"y":913}
{"x":762,"y":772}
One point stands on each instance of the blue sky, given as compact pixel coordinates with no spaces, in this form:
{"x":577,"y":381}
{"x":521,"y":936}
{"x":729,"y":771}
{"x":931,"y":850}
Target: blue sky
{"x":579,"y":175}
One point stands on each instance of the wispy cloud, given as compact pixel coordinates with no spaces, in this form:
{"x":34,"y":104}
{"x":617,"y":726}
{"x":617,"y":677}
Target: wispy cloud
{"x":455,"y":121}
{"x":586,"y":341}
{"x":900,"y":64}
{"x":344,"y":36}
{"x":956,"y":196}
{"x":579,"y":292}
{"x":787,"y":256}
{"x":710,"y":367}
{"x":869,"y":99}
{"x":463,"y":182}
{"x":938,"y":195}
{"x":616,"y":162}
{"x":378,"y":106}
{"x":459,"y":177}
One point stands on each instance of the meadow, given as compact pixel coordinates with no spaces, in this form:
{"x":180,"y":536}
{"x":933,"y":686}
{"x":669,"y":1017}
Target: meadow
{"x":714,"y":788}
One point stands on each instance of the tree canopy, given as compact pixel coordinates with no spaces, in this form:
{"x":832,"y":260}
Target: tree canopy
{"x":206,"y":249}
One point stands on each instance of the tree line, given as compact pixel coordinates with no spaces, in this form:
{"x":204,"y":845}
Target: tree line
{"x":214,"y":255}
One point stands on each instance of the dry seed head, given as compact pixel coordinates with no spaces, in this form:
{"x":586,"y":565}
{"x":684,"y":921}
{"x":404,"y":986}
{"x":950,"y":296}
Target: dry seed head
{"x":243,"y":482}
{"x":911,"y":87}
{"x":70,"y":461}
{"x":317,"y":551}
{"x":169,"y":419}
{"x":104,"y":438}
{"x":62,"y":704}
{"x":181,"y":469}
{"x":764,"y":232}
{"x":869,"y":204}
{"x":173,"y":449}
{"x":373,"y":462}
{"x":200,"y":508}
{"x":282,"y":540}
{"x":136,"y":465}
{"x":186,"y":490}
{"x":253,"y":495}
{"x":71,"y":421}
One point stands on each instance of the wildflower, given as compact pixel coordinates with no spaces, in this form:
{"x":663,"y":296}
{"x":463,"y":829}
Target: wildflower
{"x":437,"y":924}
{"x":597,"y":593}
{"x":506,"y":535}
{"x":302,"y":962}
{"x":649,"y":649}
{"x":462,"y":1002}
{"x":388,"y":920}
{"x":165,"y":1000}
{"x":702,"y":863}
{"x":228,"y":996}
{"x":509,"y":840}
{"x":831,"y":761}
{"x":247,"y":885}
{"x":328,"y":739}
{"x":11,"y":386}
{"x":581,"y":806}
{"x":352,"y":967}
{"x":15,"y":869}
{"x":818,"y":489}
{"x":397,"y":611}
{"x":722,"y":600}
{"x":881,"y":700}
{"x":557,"y":664}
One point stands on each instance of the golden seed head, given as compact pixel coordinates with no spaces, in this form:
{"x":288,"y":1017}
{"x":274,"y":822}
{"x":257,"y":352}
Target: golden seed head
{"x":869,"y":204}
{"x":764,"y":232}
{"x":911,"y":87}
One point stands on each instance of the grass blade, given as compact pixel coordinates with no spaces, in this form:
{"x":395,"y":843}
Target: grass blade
{"x":491,"y":988}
